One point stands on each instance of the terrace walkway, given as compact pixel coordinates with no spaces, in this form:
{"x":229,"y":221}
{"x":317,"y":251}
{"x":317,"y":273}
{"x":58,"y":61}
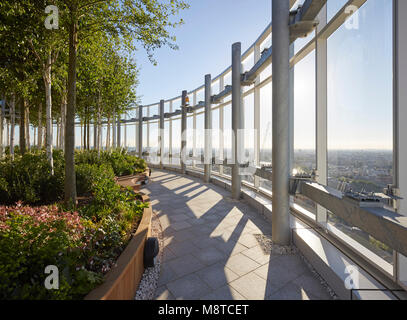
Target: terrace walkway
{"x":212,"y":249}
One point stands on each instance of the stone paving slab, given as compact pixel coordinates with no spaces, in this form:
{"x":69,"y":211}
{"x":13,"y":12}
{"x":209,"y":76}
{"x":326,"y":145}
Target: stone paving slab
{"x":210,"y":248}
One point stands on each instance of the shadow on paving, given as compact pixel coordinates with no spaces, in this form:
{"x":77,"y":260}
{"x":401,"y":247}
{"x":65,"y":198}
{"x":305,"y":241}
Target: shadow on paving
{"x":211,"y":247}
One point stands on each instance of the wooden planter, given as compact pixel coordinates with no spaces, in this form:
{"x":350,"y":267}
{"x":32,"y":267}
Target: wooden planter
{"x":134,"y":181}
{"x":122,"y":281}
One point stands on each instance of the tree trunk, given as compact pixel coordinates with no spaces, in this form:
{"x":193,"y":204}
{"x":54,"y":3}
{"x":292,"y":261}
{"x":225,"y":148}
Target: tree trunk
{"x":22,"y":127}
{"x":58,"y":133}
{"x":62,"y":128}
{"x":48,"y":109}
{"x":95,"y":133}
{"x":27,"y":126}
{"x":40,"y":126}
{"x":85,"y":133}
{"x":8,"y":132}
{"x":70,"y":178}
{"x":114,"y":130}
{"x":108,"y":134}
{"x":3,"y":107}
{"x":88,"y":136}
{"x":99,"y":131}
{"x":12,"y":123}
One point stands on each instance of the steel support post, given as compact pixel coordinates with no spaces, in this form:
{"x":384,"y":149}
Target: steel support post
{"x":321,"y":63}
{"x":183,"y":131}
{"x":291,"y":110}
{"x":399,"y":118}
{"x":291,"y":116}
{"x":148,"y":131}
{"x":140,"y":131}
{"x":119,"y":134}
{"x":208,"y":129}
{"x":114,"y":130}
{"x":170,"y":129}
{"x":257,"y":56}
{"x":125,"y":132}
{"x":221,"y":125}
{"x":2,"y":117}
{"x":281,"y":119}
{"x":161,"y":134}
{"x":194,"y":133}
{"x":237,"y":119}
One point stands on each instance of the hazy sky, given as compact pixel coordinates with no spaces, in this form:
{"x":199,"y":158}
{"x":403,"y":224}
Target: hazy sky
{"x":359,"y":69}
{"x":359,"y":73}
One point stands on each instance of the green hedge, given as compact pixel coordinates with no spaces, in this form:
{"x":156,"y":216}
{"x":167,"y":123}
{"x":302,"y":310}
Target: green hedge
{"x":84,"y":245}
{"x":27,"y":178}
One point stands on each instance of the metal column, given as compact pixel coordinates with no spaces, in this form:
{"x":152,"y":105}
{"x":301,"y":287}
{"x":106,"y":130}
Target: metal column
{"x":114,"y":130}
{"x":399,"y":117}
{"x":221,"y":125}
{"x":125,"y":132}
{"x":194,"y":132}
{"x":281,"y":119}
{"x":256,"y":97}
{"x":161,"y":134}
{"x":170,"y":129}
{"x":183,"y":131}
{"x":2,"y":118}
{"x":321,"y":110}
{"x":140,"y":131}
{"x":119,"y":136}
{"x":208,"y":129}
{"x":237,"y":119}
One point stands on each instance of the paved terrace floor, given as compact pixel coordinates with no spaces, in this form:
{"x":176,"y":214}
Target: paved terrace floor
{"x":211,"y":249}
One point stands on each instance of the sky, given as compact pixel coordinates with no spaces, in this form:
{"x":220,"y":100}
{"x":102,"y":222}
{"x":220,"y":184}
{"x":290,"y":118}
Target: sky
{"x":359,"y":69}
{"x":205,"y":40}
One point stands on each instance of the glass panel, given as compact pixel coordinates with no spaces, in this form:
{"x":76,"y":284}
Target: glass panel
{"x":200,"y":96}
{"x":333,"y":6}
{"x":248,"y":63}
{"x":167,"y":107}
{"x":382,"y":254}
{"x":266,"y":130}
{"x":200,"y":138}
{"x":145,"y":137}
{"x":304,"y":122}
{"x":190,"y":141}
{"x":227,"y":137}
{"x":176,"y":141}
{"x":249,"y":135}
{"x":265,"y":44}
{"x":360,"y":102}
{"x":227,"y":80}
{"x":215,"y":137}
{"x":215,"y":87}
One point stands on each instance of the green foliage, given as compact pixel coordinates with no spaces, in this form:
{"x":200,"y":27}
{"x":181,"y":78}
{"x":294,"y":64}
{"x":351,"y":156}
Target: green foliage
{"x":121,"y":162}
{"x":28,"y":179}
{"x":33,"y":238}
{"x":84,"y":245}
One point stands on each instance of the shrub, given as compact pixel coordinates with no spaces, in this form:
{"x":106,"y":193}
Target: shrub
{"x":33,"y":238}
{"x":121,"y":162}
{"x":28,"y":179}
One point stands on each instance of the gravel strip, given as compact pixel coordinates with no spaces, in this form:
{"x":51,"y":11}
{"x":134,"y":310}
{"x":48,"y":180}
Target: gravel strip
{"x":266,"y":244}
{"x":318,"y":276}
{"x":149,"y":280}
{"x":268,"y":247}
